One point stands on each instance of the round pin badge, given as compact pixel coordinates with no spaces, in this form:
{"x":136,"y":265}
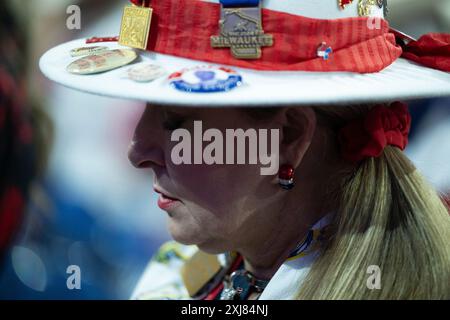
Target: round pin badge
{"x":103,"y":61}
{"x":145,"y":72}
{"x":205,"y":79}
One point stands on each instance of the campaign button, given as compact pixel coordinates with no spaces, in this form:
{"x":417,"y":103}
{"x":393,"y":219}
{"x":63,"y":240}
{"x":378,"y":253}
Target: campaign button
{"x":205,"y":79}
{"x":145,"y":72}
{"x":103,"y":61}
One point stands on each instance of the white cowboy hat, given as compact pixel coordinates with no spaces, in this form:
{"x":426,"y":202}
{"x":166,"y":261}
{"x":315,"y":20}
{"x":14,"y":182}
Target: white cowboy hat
{"x":399,"y":79}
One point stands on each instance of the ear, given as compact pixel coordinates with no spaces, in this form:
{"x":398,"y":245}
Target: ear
{"x":298,"y":125}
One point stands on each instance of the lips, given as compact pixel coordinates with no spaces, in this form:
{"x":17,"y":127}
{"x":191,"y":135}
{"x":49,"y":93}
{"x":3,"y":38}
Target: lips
{"x":166,"y":202}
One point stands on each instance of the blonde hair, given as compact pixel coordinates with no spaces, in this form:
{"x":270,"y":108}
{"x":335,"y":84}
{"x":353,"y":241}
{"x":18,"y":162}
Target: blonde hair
{"x":388,"y":216}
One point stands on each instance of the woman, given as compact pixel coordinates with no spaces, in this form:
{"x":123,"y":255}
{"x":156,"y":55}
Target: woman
{"x":346,"y":215}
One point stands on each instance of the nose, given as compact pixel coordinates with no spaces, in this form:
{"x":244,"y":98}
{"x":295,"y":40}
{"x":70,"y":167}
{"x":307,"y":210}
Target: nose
{"x":146,"y":149}
{"x":143,"y":155}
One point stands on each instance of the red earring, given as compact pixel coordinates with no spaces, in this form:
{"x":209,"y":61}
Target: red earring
{"x":286,"y":177}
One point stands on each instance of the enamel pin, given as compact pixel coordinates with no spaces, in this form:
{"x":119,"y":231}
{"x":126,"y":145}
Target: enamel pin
{"x":241,"y":30}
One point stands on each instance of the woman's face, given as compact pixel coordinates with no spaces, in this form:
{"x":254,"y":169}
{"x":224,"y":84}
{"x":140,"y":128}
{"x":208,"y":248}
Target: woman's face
{"x":213,"y":206}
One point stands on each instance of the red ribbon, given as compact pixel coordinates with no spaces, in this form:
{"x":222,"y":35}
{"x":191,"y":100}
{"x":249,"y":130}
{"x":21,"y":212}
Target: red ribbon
{"x":382,"y":126}
{"x":183,"y":29}
{"x":431,"y":50}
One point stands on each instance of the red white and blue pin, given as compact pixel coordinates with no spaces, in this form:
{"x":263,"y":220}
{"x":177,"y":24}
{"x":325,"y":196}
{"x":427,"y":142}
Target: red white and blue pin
{"x":324,"y":51}
{"x":205,"y":79}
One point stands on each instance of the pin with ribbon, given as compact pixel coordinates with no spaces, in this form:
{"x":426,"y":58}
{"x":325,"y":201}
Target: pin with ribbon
{"x":241,"y":29}
{"x":324,"y":51}
{"x":135,"y":26}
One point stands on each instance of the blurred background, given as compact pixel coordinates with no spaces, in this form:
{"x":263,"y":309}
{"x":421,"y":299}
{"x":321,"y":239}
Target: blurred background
{"x":83,"y":203}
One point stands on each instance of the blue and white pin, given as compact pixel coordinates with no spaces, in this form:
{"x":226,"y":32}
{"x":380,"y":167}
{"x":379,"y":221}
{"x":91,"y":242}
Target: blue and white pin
{"x":324,"y":51}
{"x":205,"y":79}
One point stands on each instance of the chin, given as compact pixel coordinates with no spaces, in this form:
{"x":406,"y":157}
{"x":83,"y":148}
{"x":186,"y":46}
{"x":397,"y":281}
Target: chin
{"x":215,"y":246}
{"x":182,"y":235}
{"x":209,"y":246}
{"x":183,"y":239}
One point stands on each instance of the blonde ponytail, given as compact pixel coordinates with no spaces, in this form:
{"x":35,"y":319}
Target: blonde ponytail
{"x":389,"y":217}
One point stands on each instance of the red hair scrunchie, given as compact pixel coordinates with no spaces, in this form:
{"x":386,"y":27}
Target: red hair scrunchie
{"x":382,"y":126}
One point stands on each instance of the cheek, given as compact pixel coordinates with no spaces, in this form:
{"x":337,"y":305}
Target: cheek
{"x":201,"y":185}
{"x":221,"y":190}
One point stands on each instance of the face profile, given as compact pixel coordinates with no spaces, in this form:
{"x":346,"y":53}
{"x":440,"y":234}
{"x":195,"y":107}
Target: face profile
{"x":200,"y":210}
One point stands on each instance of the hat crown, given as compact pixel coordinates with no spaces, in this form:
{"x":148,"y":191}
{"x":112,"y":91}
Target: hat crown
{"x":320,"y":9}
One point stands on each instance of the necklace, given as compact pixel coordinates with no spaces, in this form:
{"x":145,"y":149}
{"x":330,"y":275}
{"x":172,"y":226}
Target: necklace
{"x":241,"y":284}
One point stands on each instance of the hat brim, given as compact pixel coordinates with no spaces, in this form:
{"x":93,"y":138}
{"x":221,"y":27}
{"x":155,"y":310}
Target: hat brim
{"x":403,"y":80}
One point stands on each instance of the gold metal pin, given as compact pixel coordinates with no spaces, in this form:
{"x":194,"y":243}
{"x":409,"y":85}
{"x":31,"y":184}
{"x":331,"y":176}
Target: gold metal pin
{"x":135,"y":26}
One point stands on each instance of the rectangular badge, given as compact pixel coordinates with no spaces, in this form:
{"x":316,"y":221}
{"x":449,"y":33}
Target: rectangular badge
{"x":135,"y":27}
